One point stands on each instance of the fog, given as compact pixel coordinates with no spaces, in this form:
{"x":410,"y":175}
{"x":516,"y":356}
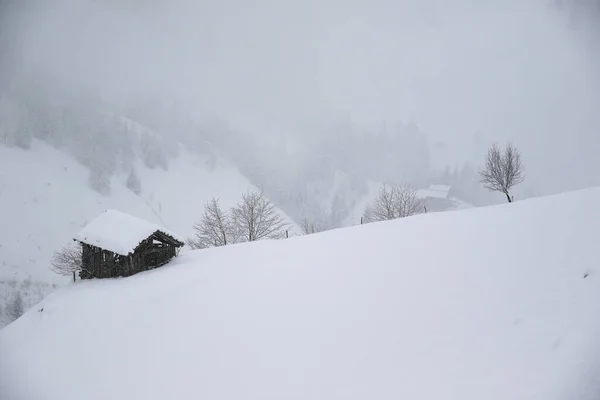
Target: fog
{"x":467,"y":73}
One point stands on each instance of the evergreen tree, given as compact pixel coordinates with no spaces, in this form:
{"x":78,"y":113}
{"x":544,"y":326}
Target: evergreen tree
{"x":15,"y":308}
{"x":133,"y":182}
{"x":100,"y":181}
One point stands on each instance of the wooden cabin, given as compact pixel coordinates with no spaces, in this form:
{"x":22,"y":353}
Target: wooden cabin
{"x":116,"y":244}
{"x":437,"y":198}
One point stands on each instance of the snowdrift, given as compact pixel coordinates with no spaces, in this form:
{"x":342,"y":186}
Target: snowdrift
{"x":492,"y":303}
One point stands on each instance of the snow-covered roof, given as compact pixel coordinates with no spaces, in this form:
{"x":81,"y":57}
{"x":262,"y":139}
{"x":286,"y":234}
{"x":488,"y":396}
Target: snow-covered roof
{"x":440,"y":188}
{"x":436,"y":191}
{"x":118,"y":232}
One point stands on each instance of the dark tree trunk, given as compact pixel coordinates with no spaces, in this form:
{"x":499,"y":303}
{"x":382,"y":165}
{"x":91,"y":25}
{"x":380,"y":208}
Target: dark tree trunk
{"x":508,"y":197}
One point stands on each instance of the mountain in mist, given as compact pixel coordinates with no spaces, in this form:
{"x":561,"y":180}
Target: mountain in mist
{"x":63,"y":166}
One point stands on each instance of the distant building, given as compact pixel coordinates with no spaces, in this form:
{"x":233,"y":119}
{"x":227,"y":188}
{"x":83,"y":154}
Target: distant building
{"x":116,"y":244}
{"x":440,"y":198}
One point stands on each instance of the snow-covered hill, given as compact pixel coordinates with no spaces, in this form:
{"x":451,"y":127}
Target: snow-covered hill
{"x":490,"y":303}
{"x":46,"y":199}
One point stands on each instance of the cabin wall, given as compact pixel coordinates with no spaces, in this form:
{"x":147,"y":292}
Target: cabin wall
{"x":86,"y":262}
{"x":150,"y":253}
{"x":98,"y":263}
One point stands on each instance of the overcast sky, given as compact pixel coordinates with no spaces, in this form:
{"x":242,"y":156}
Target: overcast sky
{"x":463,"y":69}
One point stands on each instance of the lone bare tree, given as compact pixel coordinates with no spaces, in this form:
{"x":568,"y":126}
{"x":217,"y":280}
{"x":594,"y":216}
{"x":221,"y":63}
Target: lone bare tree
{"x":503,"y":170}
{"x":215,"y":229}
{"x":68,"y":260}
{"x":256,"y":218}
{"x":392,"y":202}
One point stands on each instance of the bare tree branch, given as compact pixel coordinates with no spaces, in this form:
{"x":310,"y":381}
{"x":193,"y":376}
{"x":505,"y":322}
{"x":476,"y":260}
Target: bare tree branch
{"x":67,"y":260}
{"x":502,"y":171}
{"x":256,"y":218}
{"x":214,"y":230}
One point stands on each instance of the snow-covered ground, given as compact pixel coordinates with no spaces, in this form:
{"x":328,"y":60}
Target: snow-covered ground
{"x":489,"y":303}
{"x":46,"y":200}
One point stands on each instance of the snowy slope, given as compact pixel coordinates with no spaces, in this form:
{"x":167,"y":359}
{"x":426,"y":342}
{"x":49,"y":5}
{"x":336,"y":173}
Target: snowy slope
{"x":491,"y":303}
{"x":46,"y":199}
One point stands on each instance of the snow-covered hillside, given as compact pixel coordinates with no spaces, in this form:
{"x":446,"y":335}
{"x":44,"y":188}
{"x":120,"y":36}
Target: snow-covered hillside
{"x":46,"y":199}
{"x":490,"y":303}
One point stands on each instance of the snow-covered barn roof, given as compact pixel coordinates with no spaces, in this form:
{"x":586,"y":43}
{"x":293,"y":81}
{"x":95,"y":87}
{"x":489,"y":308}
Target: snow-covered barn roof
{"x":435,"y":191}
{"x":441,"y":188}
{"x":119,"y":233}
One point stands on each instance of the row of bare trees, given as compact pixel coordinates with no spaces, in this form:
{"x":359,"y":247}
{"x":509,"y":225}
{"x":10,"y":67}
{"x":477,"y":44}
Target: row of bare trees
{"x":392,"y":202}
{"x":253,"y":218}
{"x":503,"y":170}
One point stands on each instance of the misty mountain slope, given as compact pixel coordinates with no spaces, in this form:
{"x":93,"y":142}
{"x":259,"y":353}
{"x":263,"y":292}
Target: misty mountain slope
{"x":491,"y":303}
{"x":46,"y":199}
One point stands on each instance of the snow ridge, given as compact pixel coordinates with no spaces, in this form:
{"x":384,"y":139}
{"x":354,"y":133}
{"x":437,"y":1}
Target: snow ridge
{"x":490,"y":303}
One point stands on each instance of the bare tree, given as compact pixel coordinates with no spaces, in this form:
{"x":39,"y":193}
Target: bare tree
{"x":256,"y":218}
{"x":407,"y":201}
{"x":309,"y":227}
{"x":392,"y":202}
{"x":215,"y":229}
{"x":67,"y":260}
{"x":503,"y":170}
